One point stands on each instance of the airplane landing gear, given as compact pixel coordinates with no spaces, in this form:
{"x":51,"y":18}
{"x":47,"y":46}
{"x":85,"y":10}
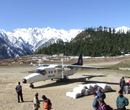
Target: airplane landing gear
{"x":31,"y":85}
{"x":65,"y":78}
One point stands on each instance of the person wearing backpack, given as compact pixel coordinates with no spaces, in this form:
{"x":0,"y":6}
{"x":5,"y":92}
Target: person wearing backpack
{"x":121,"y":101}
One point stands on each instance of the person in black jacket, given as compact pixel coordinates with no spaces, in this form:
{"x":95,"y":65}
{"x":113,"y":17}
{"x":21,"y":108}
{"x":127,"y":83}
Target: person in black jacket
{"x":122,"y":84}
{"x":19,"y":92}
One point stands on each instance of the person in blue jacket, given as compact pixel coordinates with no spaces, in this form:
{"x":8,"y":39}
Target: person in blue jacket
{"x":95,"y":102}
{"x":100,"y":94}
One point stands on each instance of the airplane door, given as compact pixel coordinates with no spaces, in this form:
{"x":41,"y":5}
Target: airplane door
{"x":59,"y":71}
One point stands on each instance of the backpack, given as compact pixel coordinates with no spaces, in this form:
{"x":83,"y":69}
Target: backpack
{"x":109,"y":107}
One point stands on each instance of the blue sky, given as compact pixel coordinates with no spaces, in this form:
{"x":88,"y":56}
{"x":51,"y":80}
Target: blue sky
{"x":63,"y":14}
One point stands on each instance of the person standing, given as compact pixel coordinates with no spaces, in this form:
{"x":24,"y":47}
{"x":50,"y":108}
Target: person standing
{"x":36,"y":102}
{"x":100,"y":93}
{"x":122,"y":84}
{"x":46,"y":103}
{"x":95,"y":102}
{"x":121,"y":101}
{"x":19,"y":92}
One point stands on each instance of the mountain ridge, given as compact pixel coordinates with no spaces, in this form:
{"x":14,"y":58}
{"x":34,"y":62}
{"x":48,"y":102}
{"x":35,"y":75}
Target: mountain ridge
{"x":29,"y":40}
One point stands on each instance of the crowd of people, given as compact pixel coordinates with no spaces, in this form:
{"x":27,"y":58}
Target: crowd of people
{"x":98,"y":103}
{"x":46,"y":102}
{"x":47,"y":105}
{"x":121,"y":101}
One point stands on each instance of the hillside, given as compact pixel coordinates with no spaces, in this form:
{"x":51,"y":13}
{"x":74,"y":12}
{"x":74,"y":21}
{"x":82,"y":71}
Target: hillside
{"x":25,"y":41}
{"x":93,"y":42}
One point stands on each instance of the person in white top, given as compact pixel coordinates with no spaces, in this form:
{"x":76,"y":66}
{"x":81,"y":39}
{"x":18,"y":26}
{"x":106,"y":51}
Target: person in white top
{"x":36,"y":102}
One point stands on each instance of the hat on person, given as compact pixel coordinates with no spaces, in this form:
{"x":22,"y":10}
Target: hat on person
{"x":122,"y":77}
{"x":43,"y":96}
{"x":100,"y":99}
{"x":36,"y":94}
{"x":99,"y":88}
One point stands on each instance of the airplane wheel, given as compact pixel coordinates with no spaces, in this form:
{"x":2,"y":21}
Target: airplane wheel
{"x":31,"y":85}
{"x":65,"y":78}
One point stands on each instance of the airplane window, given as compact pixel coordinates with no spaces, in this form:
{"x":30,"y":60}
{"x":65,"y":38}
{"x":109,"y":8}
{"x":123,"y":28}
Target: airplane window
{"x":51,"y":71}
{"x":38,"y":71}
{"x":43,"y":72}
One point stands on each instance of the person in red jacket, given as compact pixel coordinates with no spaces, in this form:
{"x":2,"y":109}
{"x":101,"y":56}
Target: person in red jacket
{"x":46,"y":103}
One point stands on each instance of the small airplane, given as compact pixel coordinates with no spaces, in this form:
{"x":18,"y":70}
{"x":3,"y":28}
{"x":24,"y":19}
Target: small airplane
{"x":49,"y":71}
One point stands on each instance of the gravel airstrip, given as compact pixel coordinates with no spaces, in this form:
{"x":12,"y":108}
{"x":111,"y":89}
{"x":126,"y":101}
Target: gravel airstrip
{"x":56,"y":91}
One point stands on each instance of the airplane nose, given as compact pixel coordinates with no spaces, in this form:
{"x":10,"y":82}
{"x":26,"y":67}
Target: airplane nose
{"x":24,"y":81}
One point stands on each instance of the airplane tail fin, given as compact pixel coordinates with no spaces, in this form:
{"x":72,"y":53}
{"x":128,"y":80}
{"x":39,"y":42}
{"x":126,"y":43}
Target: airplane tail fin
{"x":80,"y":61}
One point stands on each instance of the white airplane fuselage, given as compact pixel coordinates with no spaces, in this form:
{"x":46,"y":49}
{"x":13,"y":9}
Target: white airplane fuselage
{"x":50,"y":72}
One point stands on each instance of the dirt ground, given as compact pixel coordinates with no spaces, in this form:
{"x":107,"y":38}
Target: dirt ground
{"x":56,"y":91}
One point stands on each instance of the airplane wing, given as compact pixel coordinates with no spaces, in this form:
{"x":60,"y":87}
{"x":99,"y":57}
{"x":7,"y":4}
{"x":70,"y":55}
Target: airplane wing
{"x":31,"y":64}
{"x":80,"y":66}
{"x":85,"y":67}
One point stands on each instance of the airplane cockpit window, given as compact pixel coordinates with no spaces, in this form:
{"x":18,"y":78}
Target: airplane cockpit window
{"x":38,"y":71}
{"x":43,"y":72}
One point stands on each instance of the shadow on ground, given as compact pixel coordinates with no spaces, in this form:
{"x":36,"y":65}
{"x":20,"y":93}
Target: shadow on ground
{"x":27,"y":101}
{"x":75,"y":80}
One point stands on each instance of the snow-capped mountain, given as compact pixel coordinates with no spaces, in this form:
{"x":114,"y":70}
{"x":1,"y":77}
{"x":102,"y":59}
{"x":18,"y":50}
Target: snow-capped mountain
{"x":122,"y":29}
{"x":31,"y":39}
{"x":9,"y":49}
{"x":22,"y":41}
{"x":36,"y":37}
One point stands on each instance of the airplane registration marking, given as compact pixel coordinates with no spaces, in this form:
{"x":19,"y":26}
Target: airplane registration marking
{"x":49,"y":76}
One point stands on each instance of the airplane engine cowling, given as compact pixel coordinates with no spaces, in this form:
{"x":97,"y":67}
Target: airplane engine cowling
{"x":24,"y":81}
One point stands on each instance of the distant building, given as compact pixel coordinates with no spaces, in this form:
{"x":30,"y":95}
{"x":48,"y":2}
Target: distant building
{"x":61,"y":54}
{"x":54,"y":55}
